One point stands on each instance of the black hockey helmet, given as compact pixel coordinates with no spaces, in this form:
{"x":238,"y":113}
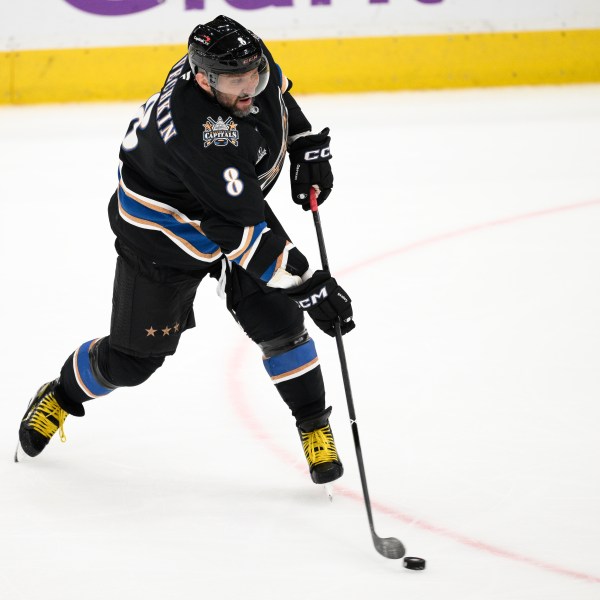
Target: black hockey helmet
{"x":224,"y":47}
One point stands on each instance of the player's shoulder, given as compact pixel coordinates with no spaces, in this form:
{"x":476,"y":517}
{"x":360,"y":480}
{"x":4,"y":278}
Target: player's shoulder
{"x":169,"y":102}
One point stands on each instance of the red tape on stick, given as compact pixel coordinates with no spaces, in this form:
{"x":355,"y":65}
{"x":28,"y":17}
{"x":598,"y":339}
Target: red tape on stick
{"x":314,"y":205}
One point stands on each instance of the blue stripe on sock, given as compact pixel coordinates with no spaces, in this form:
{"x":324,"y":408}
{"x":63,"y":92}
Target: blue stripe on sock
{"x":85,"y":371}
{"x":291,"y":360}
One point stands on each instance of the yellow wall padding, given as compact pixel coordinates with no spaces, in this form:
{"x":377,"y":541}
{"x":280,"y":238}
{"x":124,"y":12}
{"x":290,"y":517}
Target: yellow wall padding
{"x":318,"y":66}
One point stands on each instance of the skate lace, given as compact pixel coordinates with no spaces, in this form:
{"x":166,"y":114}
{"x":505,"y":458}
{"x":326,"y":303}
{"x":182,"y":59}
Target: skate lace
{"x":47,"y":417}
{"x":319,"y":446}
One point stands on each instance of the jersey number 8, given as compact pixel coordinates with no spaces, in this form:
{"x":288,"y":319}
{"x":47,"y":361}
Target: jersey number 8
{"x":234,"y":185}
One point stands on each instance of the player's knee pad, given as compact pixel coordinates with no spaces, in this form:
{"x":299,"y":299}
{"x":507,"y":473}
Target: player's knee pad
{"x":284,"y":343}
{"x":95,"y":369}
{"x":119,"y":369}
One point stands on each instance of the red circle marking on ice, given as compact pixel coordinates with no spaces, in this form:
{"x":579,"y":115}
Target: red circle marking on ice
{"x":237,"y":395}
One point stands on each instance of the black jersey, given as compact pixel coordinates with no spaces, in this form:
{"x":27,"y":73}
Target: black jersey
{"x":193,"y":179}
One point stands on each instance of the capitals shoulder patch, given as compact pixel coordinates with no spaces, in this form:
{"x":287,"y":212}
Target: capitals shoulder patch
{"x":220,"y":133}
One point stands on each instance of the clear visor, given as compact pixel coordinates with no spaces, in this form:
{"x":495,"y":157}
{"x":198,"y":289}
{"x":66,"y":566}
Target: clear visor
{"x":244,"y":85}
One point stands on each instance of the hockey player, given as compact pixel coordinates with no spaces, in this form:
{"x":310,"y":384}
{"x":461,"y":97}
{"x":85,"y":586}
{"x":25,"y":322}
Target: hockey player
{"x":195,"y":166}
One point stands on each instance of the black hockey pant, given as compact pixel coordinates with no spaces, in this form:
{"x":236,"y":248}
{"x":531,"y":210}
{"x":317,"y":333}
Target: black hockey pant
{"x":153,"y":305}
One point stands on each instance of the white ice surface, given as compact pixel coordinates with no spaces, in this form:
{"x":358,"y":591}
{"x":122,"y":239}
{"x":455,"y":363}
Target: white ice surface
{"x":465,"y":225}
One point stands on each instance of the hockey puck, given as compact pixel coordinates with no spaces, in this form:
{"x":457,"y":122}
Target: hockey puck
{"x":414,"y":563}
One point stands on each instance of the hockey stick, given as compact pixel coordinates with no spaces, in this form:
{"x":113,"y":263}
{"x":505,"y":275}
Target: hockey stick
{"x":388,"y":547}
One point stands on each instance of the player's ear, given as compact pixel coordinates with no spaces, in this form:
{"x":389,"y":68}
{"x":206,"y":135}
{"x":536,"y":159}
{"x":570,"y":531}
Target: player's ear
{"x":202,"y":80}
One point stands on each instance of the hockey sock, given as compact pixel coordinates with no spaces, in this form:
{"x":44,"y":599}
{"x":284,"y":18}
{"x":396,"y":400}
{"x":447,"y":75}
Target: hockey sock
{"x":80,"y":378}
{"x":297,"y":376}
{"x":95,"y":369}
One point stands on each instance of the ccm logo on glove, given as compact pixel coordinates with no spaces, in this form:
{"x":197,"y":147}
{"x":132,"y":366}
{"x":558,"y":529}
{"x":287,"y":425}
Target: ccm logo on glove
{"x":324,"y":154}
{"x":313,"y":300}
{"x":325,"y":301}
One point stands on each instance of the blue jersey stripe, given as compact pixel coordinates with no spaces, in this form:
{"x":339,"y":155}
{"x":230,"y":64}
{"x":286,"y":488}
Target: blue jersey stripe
{"x":266,"y":276}
{"x":166,"y":221}
{"x":258,"y":229}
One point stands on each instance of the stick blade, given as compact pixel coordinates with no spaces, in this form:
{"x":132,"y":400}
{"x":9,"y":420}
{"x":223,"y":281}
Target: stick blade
{"x":389,"y":547}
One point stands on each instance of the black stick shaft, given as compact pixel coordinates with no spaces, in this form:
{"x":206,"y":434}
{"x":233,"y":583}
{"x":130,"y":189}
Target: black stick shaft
{"x":353,"y":424}
{"x":388,"y":547}
{"x":344,"y":367}
{"x":320,"y":238}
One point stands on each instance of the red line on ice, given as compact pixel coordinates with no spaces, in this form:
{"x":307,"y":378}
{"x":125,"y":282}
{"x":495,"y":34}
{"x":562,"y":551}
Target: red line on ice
{"x":456,"y":233}
{"x":237,"y":394}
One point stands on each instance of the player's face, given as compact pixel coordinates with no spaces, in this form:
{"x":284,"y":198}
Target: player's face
{"x":236,"y":91}
{"x":239,"y":84}
{"x":239,"y":106}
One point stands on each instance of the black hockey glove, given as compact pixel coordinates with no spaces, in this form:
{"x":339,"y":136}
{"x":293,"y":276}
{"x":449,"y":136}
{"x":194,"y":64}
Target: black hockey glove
{"x":309,"y":165}
{"x":325,"y":301}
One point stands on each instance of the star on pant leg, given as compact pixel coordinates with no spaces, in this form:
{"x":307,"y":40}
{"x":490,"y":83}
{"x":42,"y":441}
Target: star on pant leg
{"x":150,"y":332}
{"x":166,"y":331}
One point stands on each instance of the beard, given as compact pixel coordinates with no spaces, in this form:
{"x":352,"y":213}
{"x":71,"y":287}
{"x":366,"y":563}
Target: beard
{"x":232,"y":103}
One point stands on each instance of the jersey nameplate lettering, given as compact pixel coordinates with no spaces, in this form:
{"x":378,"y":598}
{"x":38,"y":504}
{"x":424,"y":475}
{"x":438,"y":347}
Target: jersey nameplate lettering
{"x":164,"y":119}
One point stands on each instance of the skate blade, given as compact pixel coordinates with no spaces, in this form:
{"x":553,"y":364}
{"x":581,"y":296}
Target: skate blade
{"x":21,"y":455}
{"x":18,"y":453}
{"x":328,"y":487}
